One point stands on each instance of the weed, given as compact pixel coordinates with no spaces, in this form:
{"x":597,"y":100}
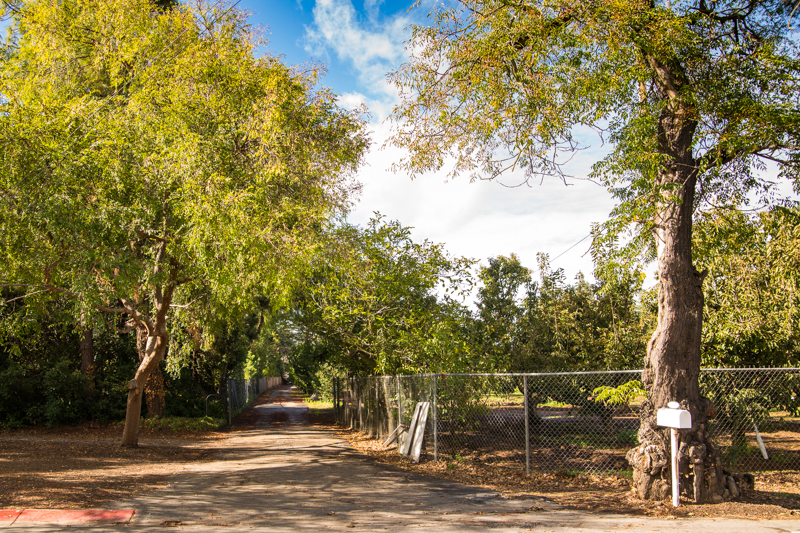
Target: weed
{"x":628,"y":436}
{"x":779,"y":458}
{"x":733,"y":453}
{"x":179,"y":423}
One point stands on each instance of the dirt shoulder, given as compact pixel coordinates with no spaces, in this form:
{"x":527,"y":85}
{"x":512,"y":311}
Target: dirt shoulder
{"x":776,"y":494}
{"x":83,"y":467}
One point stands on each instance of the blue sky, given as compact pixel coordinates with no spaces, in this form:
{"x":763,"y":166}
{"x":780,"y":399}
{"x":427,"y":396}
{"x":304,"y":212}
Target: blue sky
{"x":360,"y":41}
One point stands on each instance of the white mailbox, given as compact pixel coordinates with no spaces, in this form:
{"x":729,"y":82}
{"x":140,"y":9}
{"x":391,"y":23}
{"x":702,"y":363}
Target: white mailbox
{"x":674,"y":418}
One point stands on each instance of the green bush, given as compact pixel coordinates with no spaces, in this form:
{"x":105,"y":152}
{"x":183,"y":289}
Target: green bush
{"x":66,"y":393}
{"x":17,"y":395}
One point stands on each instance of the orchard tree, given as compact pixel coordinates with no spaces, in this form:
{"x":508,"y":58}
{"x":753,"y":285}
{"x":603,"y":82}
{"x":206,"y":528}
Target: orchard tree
{"x":500,"y":311}
{"x":153,"y":165}
{"x":371,"y":302}
{"x":752,"y":303}
{"x":693,"y":96}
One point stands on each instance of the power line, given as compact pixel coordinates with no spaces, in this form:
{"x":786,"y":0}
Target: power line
{"x":570,"y":248}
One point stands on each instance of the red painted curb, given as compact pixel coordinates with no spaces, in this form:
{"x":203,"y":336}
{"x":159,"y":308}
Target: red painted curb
{"x":62,"y":515}
{"x":7,"y":516}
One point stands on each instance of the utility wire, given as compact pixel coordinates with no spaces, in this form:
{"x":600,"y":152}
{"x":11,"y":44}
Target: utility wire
{"x":570,"y":248}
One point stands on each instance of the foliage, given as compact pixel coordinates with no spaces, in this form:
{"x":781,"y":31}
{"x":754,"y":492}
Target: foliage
{"x":624,"y":394}
{"x":628,"y":436}
{"x":752,"y":303}
{"x":154,"y":167}
{"x":371,"y":304}
{"x":501,"y":86}
{"x":497,"y":324}
{"x":462,"y":403}
{"x":323,"y":382}
{"x":525,"y":326}
{"x":41,"y":382}
{"x":263,"y":356}
{"x":306,"y":362}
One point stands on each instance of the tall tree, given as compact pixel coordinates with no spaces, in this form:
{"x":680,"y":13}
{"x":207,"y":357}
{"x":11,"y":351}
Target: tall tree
{"x":692,"y":94}
{"x":152,"y":163}
{"x":500,"y":310}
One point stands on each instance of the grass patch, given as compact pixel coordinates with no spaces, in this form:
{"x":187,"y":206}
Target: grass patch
{"x":181,"y":423}
{"x":554,"y":403}
{"x":317,"y":407}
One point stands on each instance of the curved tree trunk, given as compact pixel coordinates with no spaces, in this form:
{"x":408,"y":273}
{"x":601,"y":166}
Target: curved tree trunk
{"x":672,"y":366}
{"x":154,"y":349}
{"x":154,"y":391}
{"x":154,"y":352}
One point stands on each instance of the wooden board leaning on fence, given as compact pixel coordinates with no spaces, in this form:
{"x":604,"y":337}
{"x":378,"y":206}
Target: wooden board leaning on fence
{"x":410,"y":437}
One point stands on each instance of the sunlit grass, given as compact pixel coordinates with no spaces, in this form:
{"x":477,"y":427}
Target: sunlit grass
{"x":182,"y":423}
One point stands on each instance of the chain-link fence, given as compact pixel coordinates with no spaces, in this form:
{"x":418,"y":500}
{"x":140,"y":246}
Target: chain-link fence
{"x":576,"y":421}
{"x":242,"y":392}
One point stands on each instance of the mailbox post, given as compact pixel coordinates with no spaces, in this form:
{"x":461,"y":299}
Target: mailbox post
{"x":674,"y":418}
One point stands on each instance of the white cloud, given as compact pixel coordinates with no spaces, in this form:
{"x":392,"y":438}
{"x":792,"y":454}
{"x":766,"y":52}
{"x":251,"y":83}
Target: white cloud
{"x":373,"y":51}
{"x":483,"y":219}
{"x":372,"y":7}
{"x":477,"y":220}
{"x":379,"y":109}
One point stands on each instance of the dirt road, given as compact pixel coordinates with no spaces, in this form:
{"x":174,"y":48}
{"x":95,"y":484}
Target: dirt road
{"x":284,"y":475}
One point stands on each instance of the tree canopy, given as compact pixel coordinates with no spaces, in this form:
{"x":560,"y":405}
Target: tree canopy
{"x":751,"y":306}
{"x":377,"y":302}
{"x":153,"y":164}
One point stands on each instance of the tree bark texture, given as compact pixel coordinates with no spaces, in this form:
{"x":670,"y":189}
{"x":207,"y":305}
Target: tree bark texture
{"x":672,"y":365}
{"x":87,"y":351}
{"x":155,"y":348}
{"x":154,"y":392}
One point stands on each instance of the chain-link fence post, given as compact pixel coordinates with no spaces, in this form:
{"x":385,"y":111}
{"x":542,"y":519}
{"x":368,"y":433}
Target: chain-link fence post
{"x":435,"y":421}
{"x":527,"y":432}
{"x":399,"y":409}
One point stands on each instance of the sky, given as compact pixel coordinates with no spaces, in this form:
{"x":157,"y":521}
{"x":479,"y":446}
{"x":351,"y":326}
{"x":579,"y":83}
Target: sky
{"x":359,"y":42}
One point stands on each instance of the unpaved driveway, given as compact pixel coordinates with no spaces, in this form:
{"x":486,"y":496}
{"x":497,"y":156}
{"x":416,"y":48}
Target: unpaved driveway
{"x":294,"y":477}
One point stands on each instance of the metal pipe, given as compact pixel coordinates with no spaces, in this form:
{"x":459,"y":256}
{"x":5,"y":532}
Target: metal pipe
{"x":527,"y":428}
{"x":521,"y":374}
{"x":435,"y":421}
{"x":209,"y":396}
{"x":399,"y":410}
{"x":676,"y":480}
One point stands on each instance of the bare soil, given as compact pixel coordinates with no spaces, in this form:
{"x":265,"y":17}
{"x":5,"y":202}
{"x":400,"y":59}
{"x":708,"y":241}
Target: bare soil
{"x":83,"y":467}
{"x":776,"y":494}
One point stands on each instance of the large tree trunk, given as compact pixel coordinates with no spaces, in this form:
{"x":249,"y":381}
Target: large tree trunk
{"x":154,"y":387}
{"x":672,"y":366}
{"x":154,"y":348}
